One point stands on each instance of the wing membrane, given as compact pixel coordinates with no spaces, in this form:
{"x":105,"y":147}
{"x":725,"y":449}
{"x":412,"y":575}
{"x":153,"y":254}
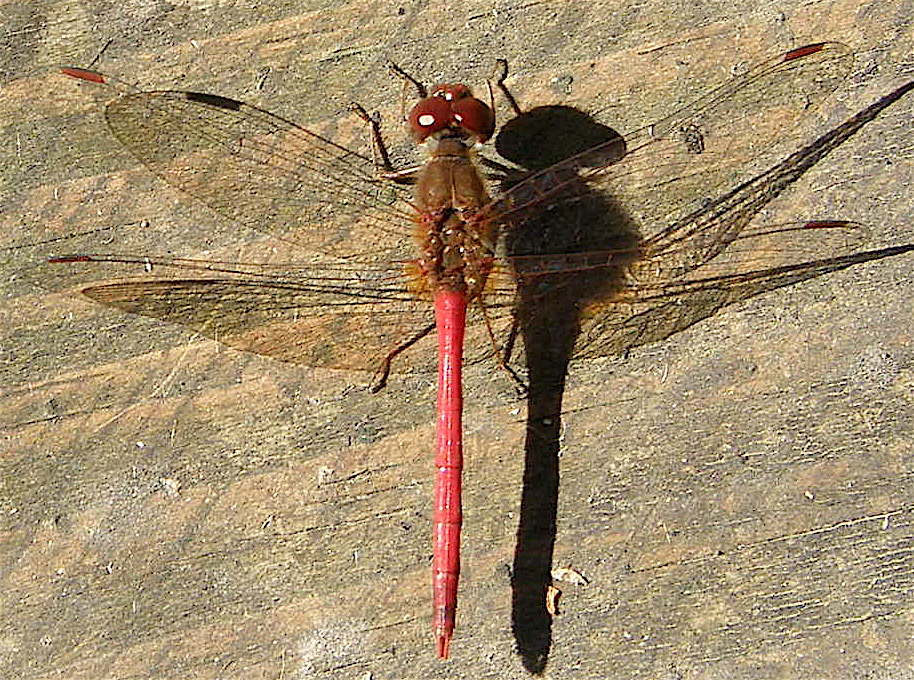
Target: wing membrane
{"x":261,"y":170}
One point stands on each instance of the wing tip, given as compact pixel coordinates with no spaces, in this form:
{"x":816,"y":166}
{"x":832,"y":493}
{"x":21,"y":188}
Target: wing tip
{"x":83,"y":74}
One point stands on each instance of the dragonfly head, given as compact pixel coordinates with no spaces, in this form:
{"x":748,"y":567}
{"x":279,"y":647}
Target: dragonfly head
{"x":451,"y":111}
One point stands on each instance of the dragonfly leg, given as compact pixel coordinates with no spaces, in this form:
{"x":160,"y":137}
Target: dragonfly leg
{"x":492,"y":164}
{"x":408,"y":80}
{"x":400,"y":73}
{"x":379,"y":380}
{"x":499,"y":76}
{"x":377,"y":141}
{"x":503,"y":354}
{"x":379,"y":150}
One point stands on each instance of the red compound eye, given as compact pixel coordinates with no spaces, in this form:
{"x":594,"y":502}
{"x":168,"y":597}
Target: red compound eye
{"x":474,"y":117}
{"x":430,"y":115}
{"x":451,"y":106}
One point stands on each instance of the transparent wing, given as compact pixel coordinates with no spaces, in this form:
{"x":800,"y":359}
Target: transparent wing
{"x":743,"y":261}
{"x":631,"y":277}
{"x":324,"y":313}
{"x":660,"y":176}
{"x":261,"y":170}
{"x":353,"y":305}
{"x":645,"y":312}
{"x":668,"y":245}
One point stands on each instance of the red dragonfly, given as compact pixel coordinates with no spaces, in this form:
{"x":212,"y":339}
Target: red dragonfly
{"x":468,"y":262}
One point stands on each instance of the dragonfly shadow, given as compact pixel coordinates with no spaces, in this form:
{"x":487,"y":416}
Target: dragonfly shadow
{"x":593,"y":241}
{"x":584,"y":248}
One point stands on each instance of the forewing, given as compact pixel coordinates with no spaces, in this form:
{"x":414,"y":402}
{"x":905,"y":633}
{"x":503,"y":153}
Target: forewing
{"x":672,"y":170}
{"x":666,"y":286}
{"x":352,"y":305}
{"x":741,"y":129}
{"x":261,"y":170}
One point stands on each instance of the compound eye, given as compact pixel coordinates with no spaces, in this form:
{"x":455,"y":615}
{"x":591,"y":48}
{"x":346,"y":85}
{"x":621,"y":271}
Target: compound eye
{"x":474,"y":116}
{"x":429,"y":116}
{"x":452,"y":92}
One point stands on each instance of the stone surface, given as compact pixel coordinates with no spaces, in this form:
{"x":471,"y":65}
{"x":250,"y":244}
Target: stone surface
{"x":739,"y":496}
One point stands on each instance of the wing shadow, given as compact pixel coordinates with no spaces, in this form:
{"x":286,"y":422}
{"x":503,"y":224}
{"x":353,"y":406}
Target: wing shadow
{"x":554,"y":307}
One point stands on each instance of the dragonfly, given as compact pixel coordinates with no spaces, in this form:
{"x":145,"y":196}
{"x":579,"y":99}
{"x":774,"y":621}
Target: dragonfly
{"x":635,"y":236}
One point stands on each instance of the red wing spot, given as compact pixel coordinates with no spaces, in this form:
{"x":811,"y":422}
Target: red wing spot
{"x":83,"y":74}
{"x":804,"y":51}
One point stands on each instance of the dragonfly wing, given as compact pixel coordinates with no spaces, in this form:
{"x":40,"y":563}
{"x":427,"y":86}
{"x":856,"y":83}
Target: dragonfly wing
{"x":352,"y":318}
{"x":679,"y":171}
{"x":672,"y":170}
{"x":743,"y":261}
{"x":669,"y":242}
{"x":343,"y":318}
{"x":644,"y":314}
{"x":259,"y":169}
